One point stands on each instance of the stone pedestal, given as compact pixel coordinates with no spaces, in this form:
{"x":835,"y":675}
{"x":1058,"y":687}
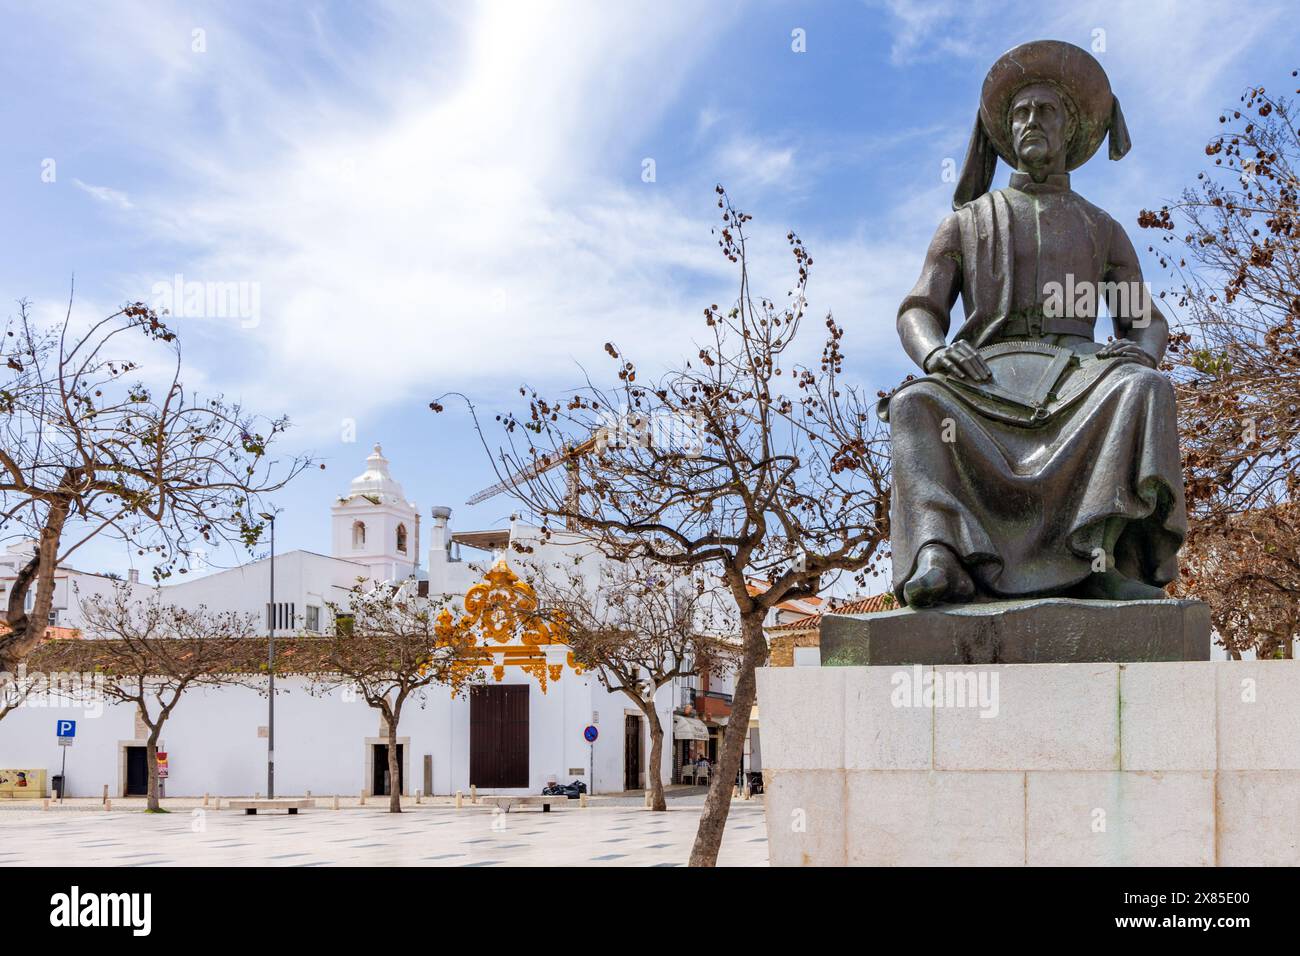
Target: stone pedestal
{"x":1173,"y":763}
{"x":1055,"y":630}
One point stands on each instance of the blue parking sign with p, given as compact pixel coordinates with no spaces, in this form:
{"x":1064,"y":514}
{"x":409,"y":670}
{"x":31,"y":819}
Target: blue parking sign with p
{"x":65,"y":728}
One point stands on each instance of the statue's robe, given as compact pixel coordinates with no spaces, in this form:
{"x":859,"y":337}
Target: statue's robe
{"x":1026,"y":508}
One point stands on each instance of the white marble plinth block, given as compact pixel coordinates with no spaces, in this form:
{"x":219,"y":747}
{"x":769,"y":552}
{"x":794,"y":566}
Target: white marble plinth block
{"x":1146,"y":764}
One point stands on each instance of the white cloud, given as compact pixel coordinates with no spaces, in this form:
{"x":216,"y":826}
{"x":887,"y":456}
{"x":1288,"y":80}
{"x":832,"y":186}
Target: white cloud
{"x":471,"y":234}
{"x":745,"y":161}
{"x":1175,"y":51}
{"x":929,"y":29}
{"x":105,"y":194}
{"x":457,"y":203}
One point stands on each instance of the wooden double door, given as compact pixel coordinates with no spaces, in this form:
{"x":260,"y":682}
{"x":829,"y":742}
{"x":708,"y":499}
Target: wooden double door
{"x":498,"y":736}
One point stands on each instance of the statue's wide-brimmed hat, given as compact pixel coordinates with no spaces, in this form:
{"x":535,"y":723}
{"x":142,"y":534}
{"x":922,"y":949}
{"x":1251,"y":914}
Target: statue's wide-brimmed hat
{"x":1077,"y":78}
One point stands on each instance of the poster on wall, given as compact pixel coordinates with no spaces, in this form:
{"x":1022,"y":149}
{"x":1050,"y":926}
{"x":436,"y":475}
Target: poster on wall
{"x":22,"y":784}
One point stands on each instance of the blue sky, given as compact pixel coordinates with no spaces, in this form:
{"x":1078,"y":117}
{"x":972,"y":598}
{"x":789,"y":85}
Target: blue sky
{"x":449,"y":196}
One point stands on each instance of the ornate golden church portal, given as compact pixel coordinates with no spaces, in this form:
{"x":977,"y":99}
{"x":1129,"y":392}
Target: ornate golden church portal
{"x":501,"y":614}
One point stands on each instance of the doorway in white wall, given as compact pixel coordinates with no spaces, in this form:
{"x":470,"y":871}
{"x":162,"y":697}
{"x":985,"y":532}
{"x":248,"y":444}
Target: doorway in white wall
{"x":632,"y":776}
{"x":380,"y":783}
{"x":137,"y":772}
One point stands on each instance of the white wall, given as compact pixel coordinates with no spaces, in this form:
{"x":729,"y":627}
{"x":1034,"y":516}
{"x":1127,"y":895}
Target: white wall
{"x":301,"y":578}
{"x":213,"y":745}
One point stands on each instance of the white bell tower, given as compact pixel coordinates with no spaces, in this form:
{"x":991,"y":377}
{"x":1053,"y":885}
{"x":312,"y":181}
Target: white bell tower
{"x":375,"y":525}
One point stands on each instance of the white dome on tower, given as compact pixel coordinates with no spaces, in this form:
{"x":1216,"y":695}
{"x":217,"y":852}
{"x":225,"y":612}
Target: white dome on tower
{"x":376,"y":482}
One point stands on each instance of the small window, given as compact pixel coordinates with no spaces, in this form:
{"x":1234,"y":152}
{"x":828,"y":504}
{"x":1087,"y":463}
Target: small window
{"x":401,"y":538}
{"x":280,"y":616}
{"x":358,"y":535}
{"x":313,"y":618}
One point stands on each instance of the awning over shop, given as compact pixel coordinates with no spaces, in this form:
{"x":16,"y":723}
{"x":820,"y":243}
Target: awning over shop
{"x":688,"y":728}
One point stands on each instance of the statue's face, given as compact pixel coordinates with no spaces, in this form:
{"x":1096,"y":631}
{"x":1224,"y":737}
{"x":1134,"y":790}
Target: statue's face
{"x":1038,"y":121}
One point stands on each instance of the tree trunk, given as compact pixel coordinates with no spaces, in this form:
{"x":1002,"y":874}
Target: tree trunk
{"x":394,"y":768}
{"x":27,"y":630}
{"x":708,"y":838}
{"x":151,"y":761}
{"x":654,"y":773}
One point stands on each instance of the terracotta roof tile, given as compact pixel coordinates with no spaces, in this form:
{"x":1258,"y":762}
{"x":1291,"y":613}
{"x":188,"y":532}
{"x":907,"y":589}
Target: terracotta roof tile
{"x":866,"y":605}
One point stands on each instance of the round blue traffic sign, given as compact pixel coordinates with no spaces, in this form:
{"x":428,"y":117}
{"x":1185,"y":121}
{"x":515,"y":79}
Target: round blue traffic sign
{"x":591,"y":733}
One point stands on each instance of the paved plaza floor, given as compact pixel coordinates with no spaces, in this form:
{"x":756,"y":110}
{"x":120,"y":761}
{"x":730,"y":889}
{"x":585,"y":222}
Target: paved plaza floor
{"x":440,"y":835}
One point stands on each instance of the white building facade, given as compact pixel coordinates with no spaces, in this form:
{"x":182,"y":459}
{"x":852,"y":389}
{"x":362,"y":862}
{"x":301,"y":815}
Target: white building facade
{"x":216,"y":739}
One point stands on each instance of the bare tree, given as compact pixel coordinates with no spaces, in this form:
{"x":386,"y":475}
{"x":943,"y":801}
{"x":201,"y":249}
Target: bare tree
{"x":743,"y":462}
{"x":1233,"y":243}
{"x":151,"y":654}
{"x":388,"y":646}
{"x":91,"y":448}
{"x":1246,"y":566}
{"x":638,"y":631}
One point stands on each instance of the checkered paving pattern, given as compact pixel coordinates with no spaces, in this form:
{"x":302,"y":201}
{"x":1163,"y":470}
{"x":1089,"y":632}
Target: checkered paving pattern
{"x":369,"y":836}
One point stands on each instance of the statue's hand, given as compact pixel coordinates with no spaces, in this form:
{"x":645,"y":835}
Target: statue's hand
{"x":959,"y":360}
{"x":1127,"y":348}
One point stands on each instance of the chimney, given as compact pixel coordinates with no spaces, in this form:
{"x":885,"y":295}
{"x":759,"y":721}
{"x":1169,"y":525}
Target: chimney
{"x":133,"y":576}
{"x":439,"y":536}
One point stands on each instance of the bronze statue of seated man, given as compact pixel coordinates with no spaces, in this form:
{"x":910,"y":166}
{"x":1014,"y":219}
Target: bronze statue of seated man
{"x":1031,"y":460}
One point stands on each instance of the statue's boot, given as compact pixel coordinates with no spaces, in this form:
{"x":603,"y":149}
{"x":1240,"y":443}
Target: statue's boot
{"x":939,"y":579}
{"x":1111,"y":585}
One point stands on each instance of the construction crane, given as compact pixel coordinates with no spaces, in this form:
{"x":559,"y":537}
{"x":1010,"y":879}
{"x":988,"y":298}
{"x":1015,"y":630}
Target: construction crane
{"x":568,"y":456}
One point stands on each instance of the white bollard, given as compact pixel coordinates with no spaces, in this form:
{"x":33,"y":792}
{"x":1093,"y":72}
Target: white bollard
{"x":363,"y":799}
{"x":582,"y":799}
{"x":459,"y":799}
{"x":473,"y":793}
{"x":335,"y":805}
{"x":108,"y":805}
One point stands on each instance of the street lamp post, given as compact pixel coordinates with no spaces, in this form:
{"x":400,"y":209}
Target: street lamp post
{"x":270,"y":665}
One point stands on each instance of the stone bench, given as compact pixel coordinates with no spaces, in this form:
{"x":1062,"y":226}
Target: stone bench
{"x":506,"y":803}
{"x":250,"y":807}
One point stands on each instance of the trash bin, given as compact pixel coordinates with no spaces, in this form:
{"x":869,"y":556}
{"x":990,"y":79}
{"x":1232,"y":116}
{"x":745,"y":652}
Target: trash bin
{"x":56,"y":785}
